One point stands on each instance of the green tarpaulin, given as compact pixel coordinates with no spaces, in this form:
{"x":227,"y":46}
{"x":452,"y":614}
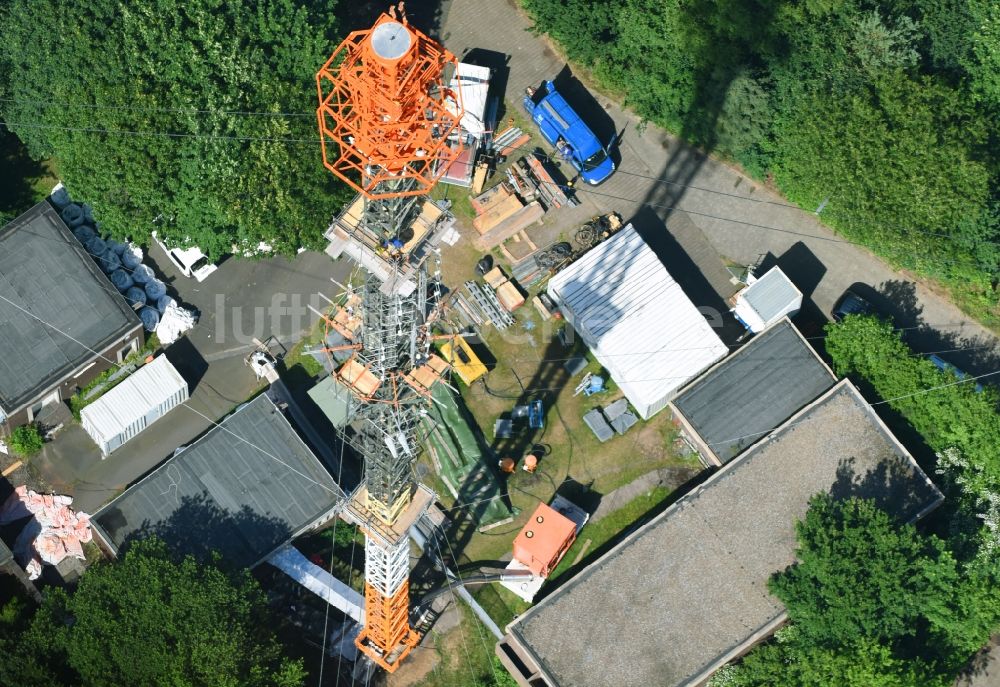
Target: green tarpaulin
{"x":462,"y":458}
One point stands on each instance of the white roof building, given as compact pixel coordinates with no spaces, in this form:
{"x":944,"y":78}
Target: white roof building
{"x":767,"y":300}
{"x":134,"y":404}
{"x":636,"y":319}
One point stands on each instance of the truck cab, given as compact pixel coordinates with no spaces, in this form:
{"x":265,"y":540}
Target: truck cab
{"x":566,"y":131}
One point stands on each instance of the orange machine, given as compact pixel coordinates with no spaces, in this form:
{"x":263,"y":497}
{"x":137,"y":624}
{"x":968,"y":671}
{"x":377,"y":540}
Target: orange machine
{"x":383,"y":115}
{"x":544,"y":540}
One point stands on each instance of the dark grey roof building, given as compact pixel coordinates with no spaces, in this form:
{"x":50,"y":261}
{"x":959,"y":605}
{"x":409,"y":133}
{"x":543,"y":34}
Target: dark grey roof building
{"x":243,"y":489}
{"x":687,"y":592}
{"x":740,"y":400}
{"x":62,"y":320}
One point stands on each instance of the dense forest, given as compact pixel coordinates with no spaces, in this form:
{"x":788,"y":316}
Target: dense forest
{"x":194,"y":117}
{"x":876,"y":602}
{"x":888,"y":109}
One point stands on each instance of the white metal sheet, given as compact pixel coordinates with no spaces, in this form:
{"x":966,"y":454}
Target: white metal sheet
{"x":472,"y":84}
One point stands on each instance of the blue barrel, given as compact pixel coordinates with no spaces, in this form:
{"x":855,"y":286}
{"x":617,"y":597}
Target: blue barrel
{"x":117,"y":246}
{"x":150,"y":318}
{"x":142,"y":274}
{"x":135,"y":295}
{"x":155,"y":289}
{"x":122,"y":280}
{"x":130,"y":260}
{"x":72,"y":215}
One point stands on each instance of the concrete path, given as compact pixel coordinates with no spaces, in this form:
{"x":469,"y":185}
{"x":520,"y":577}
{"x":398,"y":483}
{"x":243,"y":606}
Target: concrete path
{"x":729,"y":208}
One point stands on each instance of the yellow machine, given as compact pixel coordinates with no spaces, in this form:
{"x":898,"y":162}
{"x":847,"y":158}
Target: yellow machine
{"x":464,"y":361}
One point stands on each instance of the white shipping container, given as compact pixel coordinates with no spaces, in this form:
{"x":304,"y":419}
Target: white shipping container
{"x":134,"y":404}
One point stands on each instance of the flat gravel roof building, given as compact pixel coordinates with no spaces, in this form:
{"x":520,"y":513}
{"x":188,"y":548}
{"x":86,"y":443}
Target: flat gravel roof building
{"x":687,"y":592}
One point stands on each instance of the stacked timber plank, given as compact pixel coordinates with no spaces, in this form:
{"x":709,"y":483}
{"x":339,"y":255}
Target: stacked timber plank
{"x":500,"y":214}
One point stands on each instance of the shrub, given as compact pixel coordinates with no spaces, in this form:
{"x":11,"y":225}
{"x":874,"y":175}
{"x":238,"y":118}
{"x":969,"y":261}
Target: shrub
{"x":26,"y":440}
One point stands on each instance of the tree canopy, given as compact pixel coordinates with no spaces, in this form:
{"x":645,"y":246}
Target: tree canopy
{"x":871,"y":602}
{"x":148,"y":620}
{"x":195,"y":118}
{"x":887,"y":110}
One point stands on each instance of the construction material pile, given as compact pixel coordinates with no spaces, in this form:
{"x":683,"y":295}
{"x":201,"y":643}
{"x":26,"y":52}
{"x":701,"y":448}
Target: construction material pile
{"x":174,"y":322}
{"x":500,"y":214}
{"x":54,"y":532}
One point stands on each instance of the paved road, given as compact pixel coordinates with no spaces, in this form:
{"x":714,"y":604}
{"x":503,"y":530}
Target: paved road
{"x":242,"y":300}
{"x":723,"y":208}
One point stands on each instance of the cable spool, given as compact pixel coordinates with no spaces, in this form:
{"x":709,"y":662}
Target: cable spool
{"x":142,"y":274}
{"x":131,"y":258}
{"x":84,"y":233}
{"x":150,"y":318}
{"x":110,"y":261}
{"x":96,"y":246}
{"x":72,"y":215}
{"x":164,"y":302}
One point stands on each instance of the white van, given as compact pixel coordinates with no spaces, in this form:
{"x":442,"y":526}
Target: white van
{"x":190,"y":261}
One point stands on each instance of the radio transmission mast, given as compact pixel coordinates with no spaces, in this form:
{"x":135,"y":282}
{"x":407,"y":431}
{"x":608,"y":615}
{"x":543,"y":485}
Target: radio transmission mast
{"x":384,"y":119}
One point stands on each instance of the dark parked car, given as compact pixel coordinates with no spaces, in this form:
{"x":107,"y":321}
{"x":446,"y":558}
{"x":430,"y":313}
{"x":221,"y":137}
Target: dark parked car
{"x":851,"y":304}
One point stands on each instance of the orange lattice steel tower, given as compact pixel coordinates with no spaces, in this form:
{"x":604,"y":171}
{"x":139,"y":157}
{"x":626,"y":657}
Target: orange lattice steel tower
{"x":384,"y":114}
{"x":385,"y":118}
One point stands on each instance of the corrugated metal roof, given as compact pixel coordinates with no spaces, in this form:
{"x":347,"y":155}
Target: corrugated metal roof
{"x":771,"y":295}
{"x":148,"y":387}
{"x":636,"y":319}
{"x":242,"y":489}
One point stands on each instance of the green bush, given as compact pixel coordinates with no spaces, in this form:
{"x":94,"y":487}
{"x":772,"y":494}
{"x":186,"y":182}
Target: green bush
{"x":26,"y":440}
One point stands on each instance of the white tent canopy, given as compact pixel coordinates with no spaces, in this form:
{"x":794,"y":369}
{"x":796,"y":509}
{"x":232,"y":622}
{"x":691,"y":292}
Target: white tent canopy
{"x":636,"y":319}
{"x":134,"y":404}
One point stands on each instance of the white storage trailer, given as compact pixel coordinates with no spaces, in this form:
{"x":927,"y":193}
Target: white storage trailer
{"x":766,"y":300}
{"x":134,"y":404}
{"x":636,"y":319}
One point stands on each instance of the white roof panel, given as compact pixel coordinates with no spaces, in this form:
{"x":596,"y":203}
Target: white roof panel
{"x":636,"y":318}
{"x":771,"y":296}
{"x":148,"y":387}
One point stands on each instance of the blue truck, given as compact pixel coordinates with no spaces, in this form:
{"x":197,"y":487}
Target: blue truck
{"x":572,"y":138}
